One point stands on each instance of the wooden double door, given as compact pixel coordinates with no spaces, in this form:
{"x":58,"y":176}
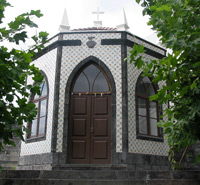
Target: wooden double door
{"x":89,"y":137}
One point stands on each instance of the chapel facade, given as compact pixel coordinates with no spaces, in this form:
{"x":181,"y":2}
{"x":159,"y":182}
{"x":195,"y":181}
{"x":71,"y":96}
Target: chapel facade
{"x":94,"y":108}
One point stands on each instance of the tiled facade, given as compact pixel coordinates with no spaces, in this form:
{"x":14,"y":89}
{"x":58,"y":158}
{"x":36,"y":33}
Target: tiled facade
{"x":146,"y":44}
{"x":73,"y":55}
{"x":137,"y":145}
{"x":46,"y":63}
{"x":110,"y":55}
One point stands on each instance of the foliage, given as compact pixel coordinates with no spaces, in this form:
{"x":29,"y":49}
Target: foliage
{"x":177,"y":23}
{"x":15,"y":67}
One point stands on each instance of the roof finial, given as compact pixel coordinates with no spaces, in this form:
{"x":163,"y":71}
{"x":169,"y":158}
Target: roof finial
{"x":124,"y":26}
{"x":125,"y":20}
{"x":64,"y":26}
{"x":98,"y":23}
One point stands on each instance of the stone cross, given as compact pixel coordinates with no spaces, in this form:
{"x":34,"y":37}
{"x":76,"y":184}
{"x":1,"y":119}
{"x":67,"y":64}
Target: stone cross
{"x":98,"y":12}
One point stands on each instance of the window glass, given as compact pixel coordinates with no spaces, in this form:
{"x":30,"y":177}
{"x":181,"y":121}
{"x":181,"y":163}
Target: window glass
{"x":147,"y":111}
{"x":36,"y":106}
{"x":42,"y":125}
{"x":91,"y":79}
{"x":141,"y":89}
{"x":142,"y":106}
{"x":38,"y":125}
{"x":153,"y":109}
{"x":100,"y":84}
{"x":34,"y":127}
{"x":41,"y":87}
{"x":44,"y":89}
{"x":142,"y":125}
{"x":91,"y":72}
{"x":153,"y":127}
{"x":43,"y":108}
{"x":81,"y":84}
{"x":148,"y":86}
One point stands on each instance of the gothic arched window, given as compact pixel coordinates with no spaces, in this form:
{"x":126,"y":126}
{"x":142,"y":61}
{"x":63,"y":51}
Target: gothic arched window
{"x":91,"y":80}
{"x":147,"y":112}
{"x":38,"y":125}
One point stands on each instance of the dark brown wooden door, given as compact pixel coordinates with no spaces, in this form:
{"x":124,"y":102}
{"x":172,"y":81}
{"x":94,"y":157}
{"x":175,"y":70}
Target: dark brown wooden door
{"x":89,"y":139}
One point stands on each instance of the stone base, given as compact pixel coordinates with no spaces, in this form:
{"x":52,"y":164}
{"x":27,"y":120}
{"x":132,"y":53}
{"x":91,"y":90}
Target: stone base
{"x":35,"y":162}
{"x":114,"y":176}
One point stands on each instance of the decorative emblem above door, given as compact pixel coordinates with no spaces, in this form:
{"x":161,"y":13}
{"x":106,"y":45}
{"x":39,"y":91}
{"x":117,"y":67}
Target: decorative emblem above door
{"x":91,"y":43}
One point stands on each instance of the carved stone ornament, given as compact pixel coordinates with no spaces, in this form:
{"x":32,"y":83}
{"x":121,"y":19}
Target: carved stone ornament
{"x":91,"y":43}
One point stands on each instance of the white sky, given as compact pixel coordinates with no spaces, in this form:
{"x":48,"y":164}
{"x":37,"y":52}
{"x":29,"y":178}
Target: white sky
{"x":80,"y":14}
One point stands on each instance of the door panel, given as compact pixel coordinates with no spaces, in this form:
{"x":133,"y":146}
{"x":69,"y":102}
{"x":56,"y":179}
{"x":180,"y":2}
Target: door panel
{"x":79,"y":127}
{"x":80,"y":109}
{"x":79,"y":135}
{"x":100,"y":150}
{"x":90,"y":129}
{"x":101,"y":122}
{"x":79,"y":149}
{"x":100,"y":105}
{"x":101,"y":127}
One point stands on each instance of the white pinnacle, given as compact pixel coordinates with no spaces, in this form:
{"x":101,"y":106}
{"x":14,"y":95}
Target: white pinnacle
{"x":64,"y":26}
{"x":124,"y":26}
{"x":125,"y":20}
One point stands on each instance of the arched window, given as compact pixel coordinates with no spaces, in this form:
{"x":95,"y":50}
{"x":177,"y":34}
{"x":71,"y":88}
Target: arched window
{"x":37,"y":127}
{"x":147,"y":112}
{"x":91,"y":80}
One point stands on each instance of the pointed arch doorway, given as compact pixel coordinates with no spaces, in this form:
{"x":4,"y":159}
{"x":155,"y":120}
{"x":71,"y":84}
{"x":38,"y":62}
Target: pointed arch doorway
{"x":89,"y":136}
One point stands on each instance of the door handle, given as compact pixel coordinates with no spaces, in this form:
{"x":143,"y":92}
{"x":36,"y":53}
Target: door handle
{"x":92,"y":129}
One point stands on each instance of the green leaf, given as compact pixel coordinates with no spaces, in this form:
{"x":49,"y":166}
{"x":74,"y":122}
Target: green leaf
{"x":1,"y":103}
{"x":154,"y":97}
{"x":138,"y":48}
{"x":37,"y":13}
{"x":43,"y":36}
{"x":10,"y":97}
{"x":35,"y":38}
{"x":20,"y":37}
{"x":194,"y":85}
{"x":197,"y":159}
{"x":139,"y":63}
{"x":177,"y":25}
{"x":184,"y":91}
{"x":197,"y":64}
{"x":15,"y":67}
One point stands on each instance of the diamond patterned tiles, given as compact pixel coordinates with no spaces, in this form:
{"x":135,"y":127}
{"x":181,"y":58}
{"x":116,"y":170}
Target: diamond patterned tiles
{"x":47,"y":63}
{"x":84,"y":37}
{"x":73,"y":55}
{"x":145,"y":44}
{"x":137,"y":145}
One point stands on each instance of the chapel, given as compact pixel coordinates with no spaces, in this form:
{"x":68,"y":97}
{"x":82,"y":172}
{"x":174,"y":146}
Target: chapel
{"x":94,"y":108}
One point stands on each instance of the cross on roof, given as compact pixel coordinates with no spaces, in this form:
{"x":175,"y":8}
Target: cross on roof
{"x":98,"y":12}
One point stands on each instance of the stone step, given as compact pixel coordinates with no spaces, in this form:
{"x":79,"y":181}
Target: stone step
{"x":9,"y":158}
{"x":6,"y":163}
{"x":17,"y":144}
{"x":101,"y":175}
{"x":89,"y":167}
{"x":96,"y":182}
{"x":10,"y":155}
{"x":111,"y":167}
{"x":10,"y":149}
{"x":9,"y":166}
